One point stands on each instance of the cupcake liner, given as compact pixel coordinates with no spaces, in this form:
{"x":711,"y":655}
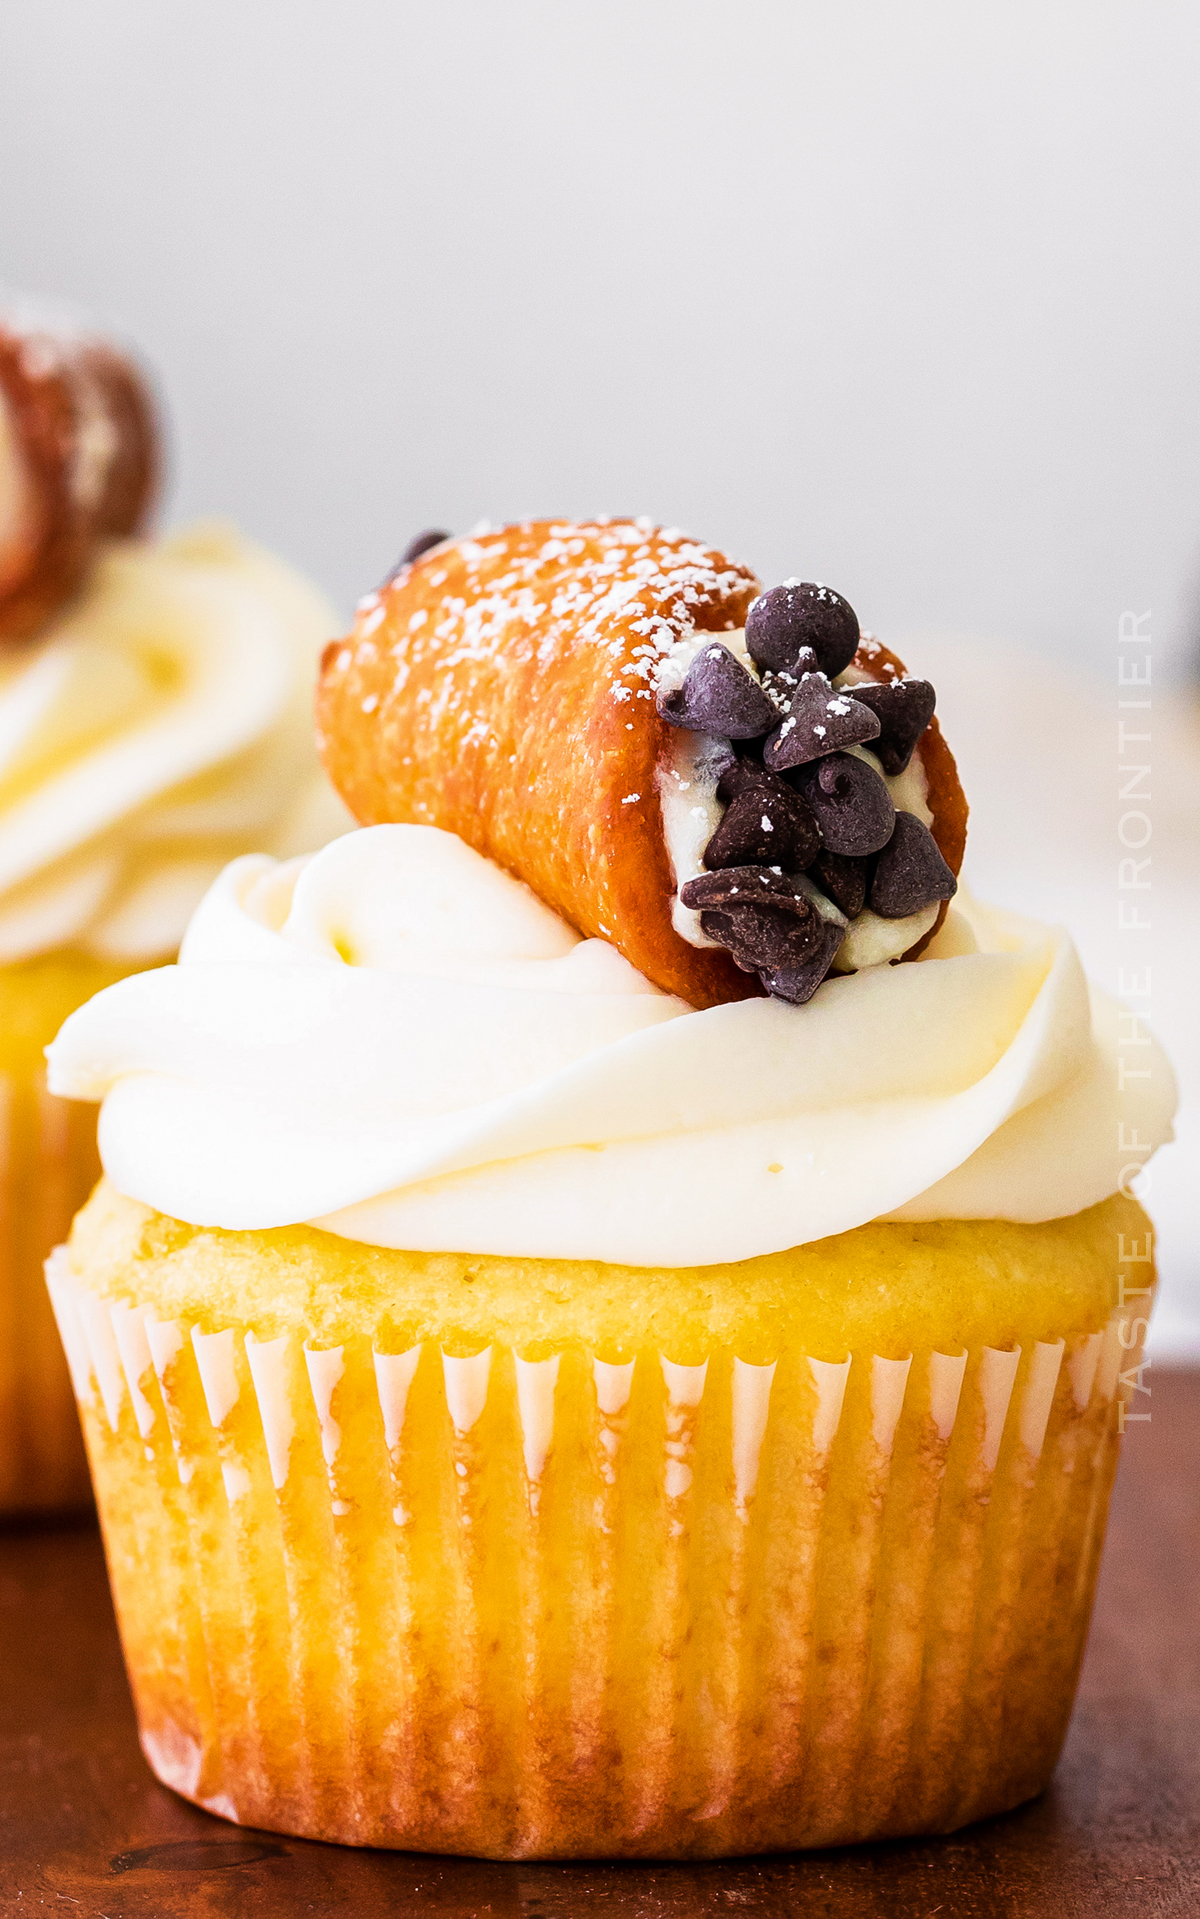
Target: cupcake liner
{"x":48,"y":1166}
{"x":560,"y":1607}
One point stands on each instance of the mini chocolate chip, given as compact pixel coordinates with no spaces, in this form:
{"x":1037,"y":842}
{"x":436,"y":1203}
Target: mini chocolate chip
{"x":735,"y":885}
{"x":819,"y":720}
{"x":740,"y":772}
{"x":722,"y":928}
{"x":853,"y":806}
{"x":904,"y":709}
{"x":796,"y":984}
{"x":802,"y":613}
{"x":910,"y":872}
{"x":421,"y":544}
{"x":719,"y":696}
{"x":783,"y":684}
{"x":767,"y":824}
{"x":762,"y":936}
{"x":765,"y":919}
{"x":844,"y":879}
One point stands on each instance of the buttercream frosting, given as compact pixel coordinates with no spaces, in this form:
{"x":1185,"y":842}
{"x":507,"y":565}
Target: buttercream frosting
{"x":159,"y":726}
{"x":396,"y":1041}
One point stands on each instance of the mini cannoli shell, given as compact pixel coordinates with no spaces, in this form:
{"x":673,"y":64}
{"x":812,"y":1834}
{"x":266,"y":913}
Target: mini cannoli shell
{"x":502,"y":687}
{"x":83,"y":424}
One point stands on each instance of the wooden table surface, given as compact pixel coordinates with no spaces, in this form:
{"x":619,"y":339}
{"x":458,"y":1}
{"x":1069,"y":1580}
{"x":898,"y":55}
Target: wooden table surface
{"x":85,"y":1829}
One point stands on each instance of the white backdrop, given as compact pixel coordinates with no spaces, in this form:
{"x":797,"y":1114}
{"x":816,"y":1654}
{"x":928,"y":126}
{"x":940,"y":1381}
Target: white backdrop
{"x":906,"y":298}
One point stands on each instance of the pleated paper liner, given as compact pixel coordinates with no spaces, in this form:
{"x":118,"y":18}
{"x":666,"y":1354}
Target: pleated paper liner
{"x":563,"y":1608}
{"x":48,"y":1166}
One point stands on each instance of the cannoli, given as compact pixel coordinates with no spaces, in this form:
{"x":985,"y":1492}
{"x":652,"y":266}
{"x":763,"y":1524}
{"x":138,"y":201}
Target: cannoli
{"x":78,"y":464}
{"x":674,"y":760}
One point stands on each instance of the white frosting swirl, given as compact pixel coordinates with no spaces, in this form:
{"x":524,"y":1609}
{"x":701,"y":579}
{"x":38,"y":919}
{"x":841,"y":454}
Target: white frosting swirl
{"x":157,"y":728}
{"x":396,"y":1041}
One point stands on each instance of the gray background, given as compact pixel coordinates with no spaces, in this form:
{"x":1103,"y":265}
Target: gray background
{"x":905,"y":297}
{"x":901,"y":297}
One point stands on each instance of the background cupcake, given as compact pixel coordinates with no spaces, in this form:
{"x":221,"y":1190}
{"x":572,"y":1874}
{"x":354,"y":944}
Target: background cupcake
{"x":153,"y":722}
{"x":532,"y":1416}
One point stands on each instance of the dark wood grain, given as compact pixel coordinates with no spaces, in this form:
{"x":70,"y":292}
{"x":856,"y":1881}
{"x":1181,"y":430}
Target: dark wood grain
{"x":85,"y":1829}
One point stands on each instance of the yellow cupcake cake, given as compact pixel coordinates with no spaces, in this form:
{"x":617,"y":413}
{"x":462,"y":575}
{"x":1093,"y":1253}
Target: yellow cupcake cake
{"x":539,"y":1411}
{"x":153,"y":723}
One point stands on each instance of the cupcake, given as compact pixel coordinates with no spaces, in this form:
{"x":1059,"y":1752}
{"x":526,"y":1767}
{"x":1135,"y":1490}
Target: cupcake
{"x":152,"y":725}
{"x":606,"y":1325}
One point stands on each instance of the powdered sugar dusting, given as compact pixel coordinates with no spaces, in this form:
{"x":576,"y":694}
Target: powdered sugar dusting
{"x":632,"y":592}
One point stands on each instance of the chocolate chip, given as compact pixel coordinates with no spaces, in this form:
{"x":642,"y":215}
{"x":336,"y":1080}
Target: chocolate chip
{"x":819,"y":721}
{"x":802,"y":613}
{"x":761,"y":936}
{"x":904,"y":709}
{"x":844,"y":879}
{"x":734,"y":885}
{"x":719,"y":696}
{"x":422,"y":544}
{"x":783,"y":684}
{"x":796,"y":984}
{"x":765,"y":919}
{"x":853,"y":806}
{"x":766,"y":824}
{"x":740,"y":772}
{"x":910,"y":872}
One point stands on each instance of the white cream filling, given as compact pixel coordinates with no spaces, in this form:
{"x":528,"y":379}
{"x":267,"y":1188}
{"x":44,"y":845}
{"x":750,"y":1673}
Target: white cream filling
{"x":687,"y":782}
{"x":691,"y":812}
{"x":873,"y":941}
